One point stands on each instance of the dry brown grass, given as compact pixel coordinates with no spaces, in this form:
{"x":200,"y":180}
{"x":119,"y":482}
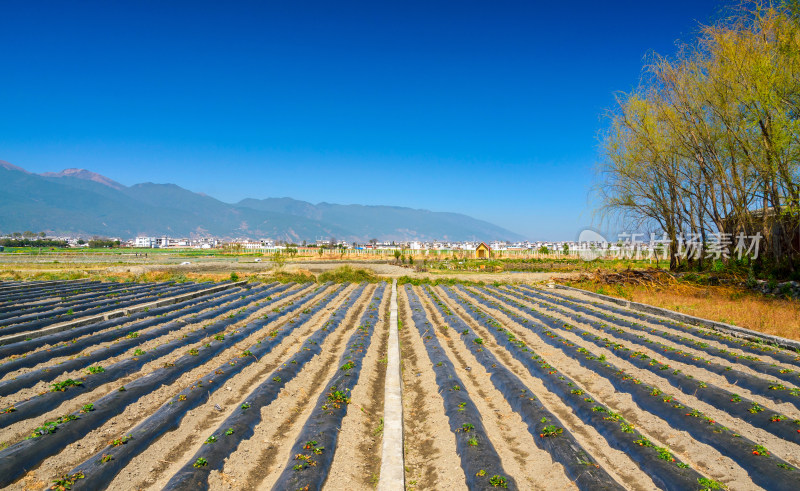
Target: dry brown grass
{"x":102,"y":274}
{"x":733,"y":305}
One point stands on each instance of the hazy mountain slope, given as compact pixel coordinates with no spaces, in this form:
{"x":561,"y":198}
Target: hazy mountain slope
{"x":85,"y":175}
{"x":83,"y":202}
{"x":32,"y":202}
{"x":387,"y":222}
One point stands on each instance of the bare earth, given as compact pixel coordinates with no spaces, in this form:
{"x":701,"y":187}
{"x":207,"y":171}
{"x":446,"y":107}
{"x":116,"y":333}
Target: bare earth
{"x":432,"y":460}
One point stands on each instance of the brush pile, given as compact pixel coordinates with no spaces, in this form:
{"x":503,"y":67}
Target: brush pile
{"x":643,"y":277}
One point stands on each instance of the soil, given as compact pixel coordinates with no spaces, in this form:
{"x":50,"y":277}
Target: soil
{"x":431,"y":459}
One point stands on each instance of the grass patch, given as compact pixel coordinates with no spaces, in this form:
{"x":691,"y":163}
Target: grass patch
{"x":296,"y":277}
{"x":347,"y":274}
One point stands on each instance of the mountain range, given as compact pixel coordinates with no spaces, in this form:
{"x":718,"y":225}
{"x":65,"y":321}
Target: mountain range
{"x":78,"y":201}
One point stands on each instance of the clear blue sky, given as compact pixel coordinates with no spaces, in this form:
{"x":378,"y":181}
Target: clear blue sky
{"x":486,"y":108}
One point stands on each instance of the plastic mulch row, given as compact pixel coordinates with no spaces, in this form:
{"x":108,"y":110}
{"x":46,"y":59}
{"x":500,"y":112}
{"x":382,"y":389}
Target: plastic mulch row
{"x":316,"y":443}
{"x":479,"y":459}
{"x":100,"y":469}
{"x":788,"y":375}
{"x":128,"y":338}
{"x":240,"y":425}
{"x":729,"y":402}
{"x":16,"y":458}
{"x":102,"y":307}
{"x":46,"y":401}
{"x":547,"y":430}
{"x":765,"y":469}
{"x":779,"y":354}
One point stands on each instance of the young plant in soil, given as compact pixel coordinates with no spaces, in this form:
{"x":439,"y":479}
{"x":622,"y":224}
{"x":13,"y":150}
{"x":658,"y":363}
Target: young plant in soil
{"x":50,"y":426}
{"x":498,"y":481}
{"x":760,"y":450}
{"x":710,"y":485}
{"x":120,"y":441}
{"x":64,"y":385}
{"x":550,"y":431}
{"x":66,"y":481}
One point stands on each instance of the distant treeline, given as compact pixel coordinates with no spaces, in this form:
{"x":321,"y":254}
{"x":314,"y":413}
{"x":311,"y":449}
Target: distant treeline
{"x":98,"y":243}
{"x":32,"y":243}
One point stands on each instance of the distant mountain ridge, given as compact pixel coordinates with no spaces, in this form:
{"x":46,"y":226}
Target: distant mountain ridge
{"x":84,"y":174}
{"x":83,"y":202}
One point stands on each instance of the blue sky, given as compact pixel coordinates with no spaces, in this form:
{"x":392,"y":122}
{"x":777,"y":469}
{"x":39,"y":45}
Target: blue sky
{"x":486,"y":108}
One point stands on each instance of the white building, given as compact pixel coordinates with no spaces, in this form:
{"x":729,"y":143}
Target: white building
{"x":145,"y":242}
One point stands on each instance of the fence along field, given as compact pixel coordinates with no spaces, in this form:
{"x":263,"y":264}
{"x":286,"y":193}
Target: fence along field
{"x":281,"y":386}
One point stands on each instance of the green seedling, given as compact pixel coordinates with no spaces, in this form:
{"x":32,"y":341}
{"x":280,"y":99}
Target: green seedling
{"x":709,"y":484}
{"x":66,"y":481}
{"x":120,"y":441}
{"x":64,"y":385}
{"x":551,"y":430}
{"x":498,"y":481}
{"x":760,"y":450}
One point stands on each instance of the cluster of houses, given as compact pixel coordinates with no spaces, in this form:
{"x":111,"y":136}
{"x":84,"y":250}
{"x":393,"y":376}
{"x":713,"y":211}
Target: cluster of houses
{"x":412,"y":247}
{"x":269,"y":244}
{"x":374,"y":246}
{"x":166,"y":242}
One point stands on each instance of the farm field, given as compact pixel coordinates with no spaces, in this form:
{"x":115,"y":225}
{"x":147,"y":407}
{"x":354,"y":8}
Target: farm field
{"x":281,"y":386}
